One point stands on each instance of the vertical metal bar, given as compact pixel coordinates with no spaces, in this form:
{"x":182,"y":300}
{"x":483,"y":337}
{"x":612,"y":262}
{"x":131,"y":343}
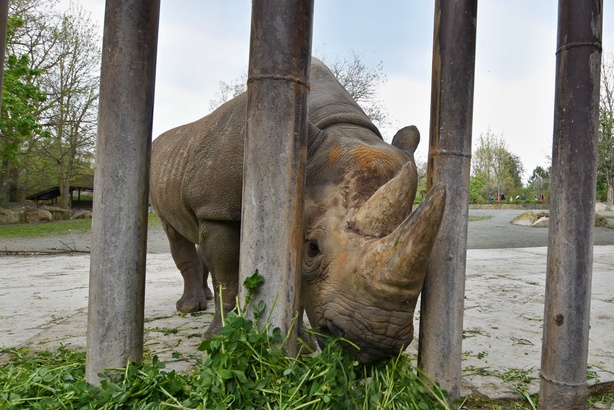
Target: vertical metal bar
{"x":121,"y":185}
{"x":4,"y":18}
{"x":449,"y":163}
{"x":275,"y":154}
{"x":572,"y":206}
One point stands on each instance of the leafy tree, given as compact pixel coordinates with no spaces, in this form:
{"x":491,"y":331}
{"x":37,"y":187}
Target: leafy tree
{"x":72,"y":86}
{"x":514,"y":166}
{"x":476,"y":189}
{"x":19,"y":123}
{"x":498,"y":169}
{"x":360,"y":80}
{"x":539,"y":182}
{"x":60,"y":56}
{"x":421,"y":167}
{"x":605,"y":147}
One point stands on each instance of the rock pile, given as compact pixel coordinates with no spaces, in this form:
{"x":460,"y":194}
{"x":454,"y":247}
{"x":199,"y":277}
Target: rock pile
{"x":30,"y":214}
{"x":542,"y":220}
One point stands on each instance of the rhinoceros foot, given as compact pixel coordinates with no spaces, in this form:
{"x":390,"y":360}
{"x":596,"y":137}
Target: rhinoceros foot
{"x":194,"y":300}
{"x":214,"y":328}
{"x":190,"y":304}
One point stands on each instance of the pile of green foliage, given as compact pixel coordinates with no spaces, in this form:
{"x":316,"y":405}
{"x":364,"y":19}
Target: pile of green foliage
{"x":245,"y":368}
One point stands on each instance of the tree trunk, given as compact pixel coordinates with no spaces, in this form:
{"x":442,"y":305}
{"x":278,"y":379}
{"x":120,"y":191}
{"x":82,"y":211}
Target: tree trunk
{"x":610,"y":196}
{"x":65,"y":190}
{"x":4,"y":182}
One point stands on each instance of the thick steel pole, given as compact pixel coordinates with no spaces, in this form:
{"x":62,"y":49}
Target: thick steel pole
{"x":121,"y":186}
{"x":4,"y":17}
{"x":572,"y":206}
{"x":449,"y":163}
{"x":275,"y":154}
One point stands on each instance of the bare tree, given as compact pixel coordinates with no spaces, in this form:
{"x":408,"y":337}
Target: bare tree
{"x":360,"y":80}
{"x":228,"y":91}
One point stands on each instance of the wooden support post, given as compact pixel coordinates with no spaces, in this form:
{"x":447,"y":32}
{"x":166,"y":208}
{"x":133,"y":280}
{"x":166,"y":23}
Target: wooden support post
{"x":275,"y":154}
{"x":441,"y":312}
{"x":572,"y":206}
{"x":121,"y":187}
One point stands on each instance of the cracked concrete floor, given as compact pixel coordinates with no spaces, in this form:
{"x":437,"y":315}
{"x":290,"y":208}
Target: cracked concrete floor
{"x":43,"y":304}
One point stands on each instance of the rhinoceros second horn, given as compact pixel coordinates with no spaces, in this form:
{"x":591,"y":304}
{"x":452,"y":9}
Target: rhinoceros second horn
{"x":399,"y":259}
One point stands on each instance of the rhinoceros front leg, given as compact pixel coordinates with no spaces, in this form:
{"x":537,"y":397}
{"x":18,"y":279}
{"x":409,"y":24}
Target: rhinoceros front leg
{"x":193,"y":270}
{"x":219,"y":246}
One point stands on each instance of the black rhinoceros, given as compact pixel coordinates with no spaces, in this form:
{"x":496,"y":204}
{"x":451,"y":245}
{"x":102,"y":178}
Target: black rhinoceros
{"x":365,"y":252}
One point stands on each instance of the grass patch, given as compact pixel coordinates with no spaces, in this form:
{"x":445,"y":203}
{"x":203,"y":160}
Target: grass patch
{"x":602,"y":395}
{"x":474,"y":218}
{"x":57,"y":228}
{"x":249,"y":375}
{"x":45,"y":228}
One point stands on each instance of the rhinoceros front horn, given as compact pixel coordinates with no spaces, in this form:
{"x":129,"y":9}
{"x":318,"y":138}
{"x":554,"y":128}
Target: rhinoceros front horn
{"x":398,"y":261}
{"x":388,"y":206}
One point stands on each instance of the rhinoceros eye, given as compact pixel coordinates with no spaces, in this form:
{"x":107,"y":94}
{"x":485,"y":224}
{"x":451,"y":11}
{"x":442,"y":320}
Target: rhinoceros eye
{"x":312,"y":249}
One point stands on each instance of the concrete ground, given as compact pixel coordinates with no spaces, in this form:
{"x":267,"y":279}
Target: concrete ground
{"x":43,"y":302}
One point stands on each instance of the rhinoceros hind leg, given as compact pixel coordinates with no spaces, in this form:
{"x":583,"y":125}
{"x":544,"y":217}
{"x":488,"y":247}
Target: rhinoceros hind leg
{"x":219,"y":244}
{"x":191,"y":268}
{"x":208,"y":293}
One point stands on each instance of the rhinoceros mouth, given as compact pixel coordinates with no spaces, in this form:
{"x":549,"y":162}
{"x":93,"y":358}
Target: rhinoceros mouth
{"x":334,"y":330}
{"x":359,"y":346}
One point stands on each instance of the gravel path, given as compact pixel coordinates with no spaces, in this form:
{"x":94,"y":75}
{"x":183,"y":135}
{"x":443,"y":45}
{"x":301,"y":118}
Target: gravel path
{"x":497,"y":232}
{"x":494,"y":233}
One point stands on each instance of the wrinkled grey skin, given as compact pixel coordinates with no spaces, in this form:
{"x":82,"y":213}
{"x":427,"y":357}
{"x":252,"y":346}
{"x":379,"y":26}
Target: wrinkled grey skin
{"x":364,"y":255}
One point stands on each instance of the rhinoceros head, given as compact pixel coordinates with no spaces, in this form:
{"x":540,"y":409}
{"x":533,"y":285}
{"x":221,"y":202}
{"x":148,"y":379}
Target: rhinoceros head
{"x":365,"y":253}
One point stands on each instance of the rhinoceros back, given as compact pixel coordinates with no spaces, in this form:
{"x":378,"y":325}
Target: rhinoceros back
{"x":197,"y":170}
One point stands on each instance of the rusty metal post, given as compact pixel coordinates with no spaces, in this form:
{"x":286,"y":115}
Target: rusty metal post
{"x":275,"y":154}
{"x":121,"y":186}
{"x":572,"y":206}
{"x":449,"y":163}
{"x":4,"y":18}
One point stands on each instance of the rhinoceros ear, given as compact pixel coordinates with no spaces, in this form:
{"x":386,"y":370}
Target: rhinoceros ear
{"x":407,"y":139}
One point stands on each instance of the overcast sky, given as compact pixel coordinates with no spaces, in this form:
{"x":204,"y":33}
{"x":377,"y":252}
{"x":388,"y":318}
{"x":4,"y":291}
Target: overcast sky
{"x":204,"y":42}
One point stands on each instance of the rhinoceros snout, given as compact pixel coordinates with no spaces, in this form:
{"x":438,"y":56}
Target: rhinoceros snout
{"x":363,"y":348}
